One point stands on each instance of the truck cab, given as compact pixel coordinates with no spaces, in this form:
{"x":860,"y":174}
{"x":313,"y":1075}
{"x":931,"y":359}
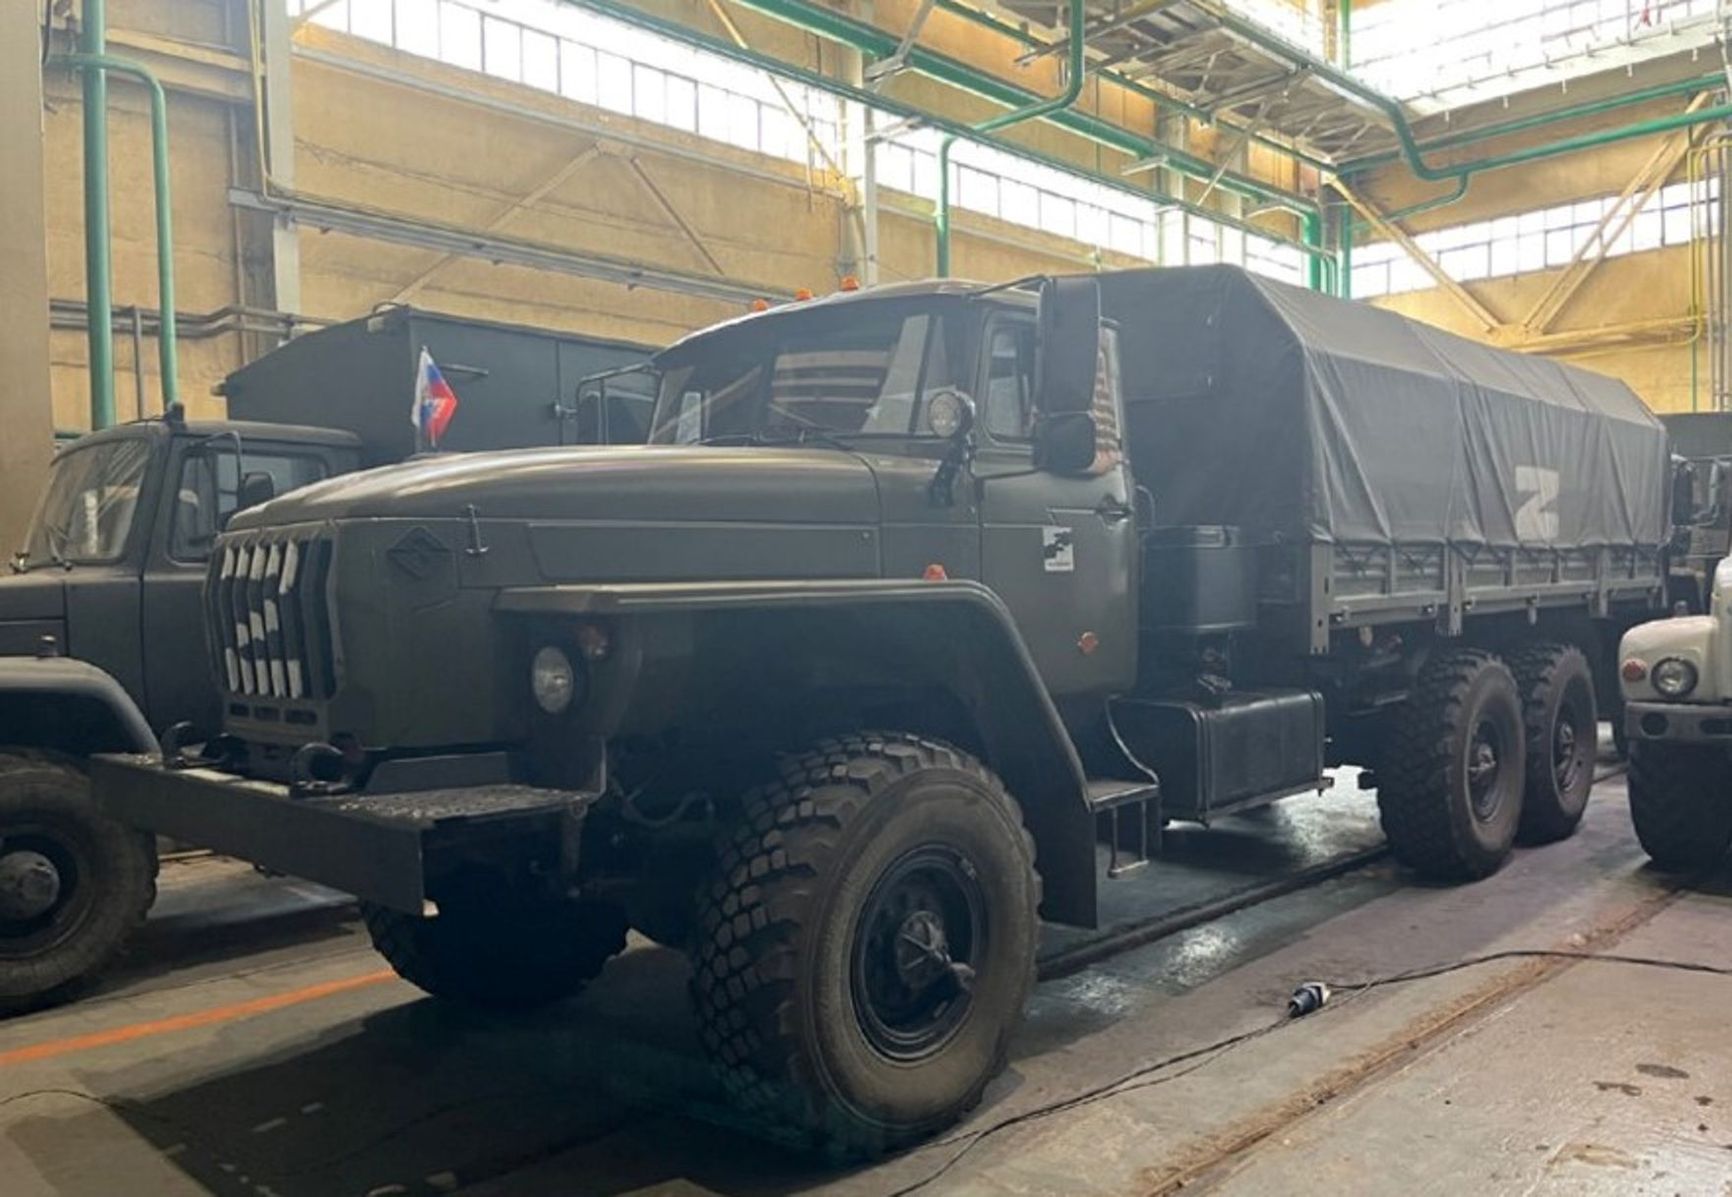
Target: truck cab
{"x":1677,"y":684}
{"x":112,"y":568}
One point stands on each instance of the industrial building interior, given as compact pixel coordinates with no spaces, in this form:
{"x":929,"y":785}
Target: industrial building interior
{"x":1475,"y":251}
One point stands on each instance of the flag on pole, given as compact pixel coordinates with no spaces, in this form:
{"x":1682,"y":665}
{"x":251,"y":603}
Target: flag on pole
{"x":435,"y":402}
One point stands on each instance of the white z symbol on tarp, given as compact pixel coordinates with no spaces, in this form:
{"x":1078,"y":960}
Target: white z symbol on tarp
{"x":1537,"y":518}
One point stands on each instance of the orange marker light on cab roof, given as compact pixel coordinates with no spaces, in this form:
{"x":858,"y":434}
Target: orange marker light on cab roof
{"x":801,"y":294}
{"x":759,"y":305}
{"x":935,"y":573}
{"x":848,"y":283}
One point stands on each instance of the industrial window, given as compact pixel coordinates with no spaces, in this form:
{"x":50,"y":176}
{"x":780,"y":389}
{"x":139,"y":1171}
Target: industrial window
{"x":1543,"y":239}
{"x":1443,"y":53}
{"x":590,"y":59}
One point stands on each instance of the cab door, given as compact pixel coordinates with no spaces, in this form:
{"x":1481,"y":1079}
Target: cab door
{"x":1061,"y":550}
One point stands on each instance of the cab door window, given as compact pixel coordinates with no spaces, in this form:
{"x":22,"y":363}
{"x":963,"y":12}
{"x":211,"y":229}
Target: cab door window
{"x":1010,"y":381}
{"x":207,"y":491}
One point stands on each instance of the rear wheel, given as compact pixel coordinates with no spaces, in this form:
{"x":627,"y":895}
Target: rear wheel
{"x":1681,"y":803}
{"x":499,"y":955}
{"x":1450,"y":789}
{"x":864,"y":956}
{"x":1562,"y":730}
{"x":73,"y":883}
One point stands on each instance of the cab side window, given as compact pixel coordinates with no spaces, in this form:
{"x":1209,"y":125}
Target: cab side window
{"x":208,"y":488}
{"x":1010,"y":381}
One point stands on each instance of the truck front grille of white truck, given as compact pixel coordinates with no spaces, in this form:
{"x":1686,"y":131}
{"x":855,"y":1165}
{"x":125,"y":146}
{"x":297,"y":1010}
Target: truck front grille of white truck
{"x":270,"y":627}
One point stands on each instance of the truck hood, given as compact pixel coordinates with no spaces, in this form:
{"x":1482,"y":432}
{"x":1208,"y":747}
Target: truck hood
{"x":39,"y":594}
{"x":642,"y":483}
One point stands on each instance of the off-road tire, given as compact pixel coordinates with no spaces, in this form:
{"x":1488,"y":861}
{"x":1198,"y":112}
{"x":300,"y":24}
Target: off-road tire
{"x":1681,"y":803}
{"x":1423,"y":795}
{"x":109,"y":890}
{"x":1556,"y":679}
{"x":779,"y":937}
{"x":499,"y":956}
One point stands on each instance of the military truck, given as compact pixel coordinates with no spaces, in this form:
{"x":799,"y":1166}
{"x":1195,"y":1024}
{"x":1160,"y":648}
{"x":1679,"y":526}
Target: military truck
{"x":1677,"y":680}
{"x":1702,"y":503}
{"x":922,"y":610}
{"x":101,"y":626}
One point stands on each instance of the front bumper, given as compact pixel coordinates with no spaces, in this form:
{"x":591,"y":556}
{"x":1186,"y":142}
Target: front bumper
{"x":1679,"y":722}
{"x":386,"y":848}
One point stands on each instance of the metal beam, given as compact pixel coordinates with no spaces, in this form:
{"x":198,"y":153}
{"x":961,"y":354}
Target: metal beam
{"x":1641,"y":188}
{"x":504,"y":217}
{"x":336,"y":216}
{"x":673,"y":214}
{"x":1469,"y":303}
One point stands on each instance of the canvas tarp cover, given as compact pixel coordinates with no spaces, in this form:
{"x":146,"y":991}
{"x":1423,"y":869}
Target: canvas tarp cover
{"x":1294,"y":415}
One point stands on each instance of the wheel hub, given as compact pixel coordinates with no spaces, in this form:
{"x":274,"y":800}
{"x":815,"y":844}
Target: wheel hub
{"x":1482,"y":770}
{"x":1564,"y":757}
{"x":916,"y":946}
{"x":29,"y":885}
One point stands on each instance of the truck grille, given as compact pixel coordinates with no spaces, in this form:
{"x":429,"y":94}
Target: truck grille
{"x":266,"y":607}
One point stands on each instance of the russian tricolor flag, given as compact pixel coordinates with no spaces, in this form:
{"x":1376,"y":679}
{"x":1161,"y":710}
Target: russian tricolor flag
{"x":435,"y":402}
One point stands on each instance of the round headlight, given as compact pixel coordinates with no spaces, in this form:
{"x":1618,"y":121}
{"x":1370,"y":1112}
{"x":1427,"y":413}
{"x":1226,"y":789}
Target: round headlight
{"x":551,"y":680}
{"x":948,"y":414}
{"x":1674,"y":677}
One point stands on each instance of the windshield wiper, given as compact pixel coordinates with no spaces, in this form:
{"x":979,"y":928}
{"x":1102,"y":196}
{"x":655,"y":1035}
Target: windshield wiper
{"x":797,"y":436}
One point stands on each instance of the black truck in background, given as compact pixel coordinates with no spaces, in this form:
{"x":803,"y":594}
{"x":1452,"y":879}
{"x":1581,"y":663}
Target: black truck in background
{"x":922,"y":609}
{"x":102,"y":643}
{"x":1702,"y":503}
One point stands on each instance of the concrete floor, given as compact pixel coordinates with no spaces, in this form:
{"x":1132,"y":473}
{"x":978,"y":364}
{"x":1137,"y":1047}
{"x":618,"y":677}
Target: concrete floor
{"x":254,"y":1046}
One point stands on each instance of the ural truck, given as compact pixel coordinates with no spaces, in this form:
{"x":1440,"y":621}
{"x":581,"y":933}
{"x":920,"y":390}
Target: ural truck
{"x":922,"y":610}
{"x":1677,"y":679}
{"x":101,"y":625}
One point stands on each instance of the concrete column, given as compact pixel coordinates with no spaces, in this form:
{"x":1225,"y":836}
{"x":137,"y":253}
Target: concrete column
{"x":279,"y":163}
{"x":26,"y":405}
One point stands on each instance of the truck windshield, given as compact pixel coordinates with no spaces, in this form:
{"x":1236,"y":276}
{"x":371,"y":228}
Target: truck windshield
{"x":853,"y":371}
{"x":87,"y":508}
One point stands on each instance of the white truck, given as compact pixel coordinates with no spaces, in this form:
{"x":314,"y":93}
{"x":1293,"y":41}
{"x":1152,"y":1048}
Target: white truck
{"x":1677,"y":682}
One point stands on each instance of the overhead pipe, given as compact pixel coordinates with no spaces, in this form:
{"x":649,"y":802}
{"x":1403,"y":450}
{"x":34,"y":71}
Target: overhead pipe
{"x":1411,"y":151}
{"x":96,"y":64}
{"x":1020,"y":33}
{"x":1553,"y":116}
{"x":686,"y":35}
{"x":1076,"y":50}
{"x":869,"y":39}
{"x":98,"y":268}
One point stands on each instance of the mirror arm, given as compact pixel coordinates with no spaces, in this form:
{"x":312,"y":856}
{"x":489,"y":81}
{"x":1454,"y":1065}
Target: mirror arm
{"x":941,"y":491}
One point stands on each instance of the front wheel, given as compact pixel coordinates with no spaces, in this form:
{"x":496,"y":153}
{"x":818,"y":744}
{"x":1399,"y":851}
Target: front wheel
{"x":865,"y":953}
{"x":73,"y":882}
{"x":1449,"y":792}
{"x":1681,"y":803}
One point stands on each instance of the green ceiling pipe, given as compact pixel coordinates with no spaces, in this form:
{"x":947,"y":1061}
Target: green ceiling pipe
{"x":1410,"y":148}
{"x":1344,"y":257}
{"x":675,"y":31}
{"x":1075,"y":68}
{"x":1020,"y":33}
{"x":871,"y":40}
{"x":1553,"y":116}
{"x":98,"y":269}
{"x":101,"y":310}
{"x":1311,"y":230}
{"x":1449,"y":197}
{"x":1344,"y":34}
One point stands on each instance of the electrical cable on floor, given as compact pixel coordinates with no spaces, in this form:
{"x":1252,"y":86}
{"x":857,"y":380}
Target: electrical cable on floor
{"x":1308,"y":998}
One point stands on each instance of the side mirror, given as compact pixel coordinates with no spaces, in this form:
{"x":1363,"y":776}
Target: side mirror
{"x":1065,"y":443}
{"x":256,"y":487}
{"x":1068,"y":354}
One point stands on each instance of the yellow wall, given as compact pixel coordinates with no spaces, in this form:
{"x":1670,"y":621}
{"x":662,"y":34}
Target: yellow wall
{"x":397,"y":148}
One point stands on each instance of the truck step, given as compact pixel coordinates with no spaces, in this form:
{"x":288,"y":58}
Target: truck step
{"x":1128,"y":818}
